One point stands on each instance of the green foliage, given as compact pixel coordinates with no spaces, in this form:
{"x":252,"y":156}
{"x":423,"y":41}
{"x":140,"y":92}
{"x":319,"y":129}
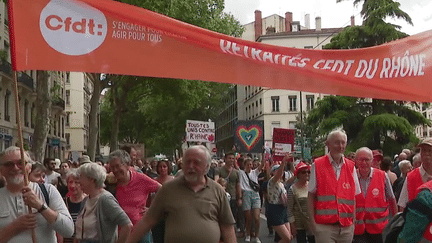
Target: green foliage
{"x":207,"y":14}
{"x":3,"y":55}
{"x":156,"y":111}
{"x":376,"y":124}
{"x":374,"y":30}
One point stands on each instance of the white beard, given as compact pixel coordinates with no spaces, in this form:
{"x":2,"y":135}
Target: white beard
{"x":191,"y":178}
{"x":16,"y":180}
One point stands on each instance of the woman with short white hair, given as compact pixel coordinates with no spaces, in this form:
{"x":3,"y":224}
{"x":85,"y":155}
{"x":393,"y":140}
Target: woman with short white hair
{"x":101,"y":214}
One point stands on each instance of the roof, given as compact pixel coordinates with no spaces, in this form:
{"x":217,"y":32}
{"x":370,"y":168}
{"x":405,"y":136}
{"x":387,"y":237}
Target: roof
{"x":323,"y":31}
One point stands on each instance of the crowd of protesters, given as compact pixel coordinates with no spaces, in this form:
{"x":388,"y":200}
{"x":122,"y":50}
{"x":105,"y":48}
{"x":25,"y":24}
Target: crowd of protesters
{"x":334,"y":198}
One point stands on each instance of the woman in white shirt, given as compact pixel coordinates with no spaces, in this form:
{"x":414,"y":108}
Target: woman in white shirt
{"x":251,"y":199}
{"x":277,"y":199}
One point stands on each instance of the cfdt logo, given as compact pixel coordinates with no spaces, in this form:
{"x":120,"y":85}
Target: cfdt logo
{"x":72,"y":28}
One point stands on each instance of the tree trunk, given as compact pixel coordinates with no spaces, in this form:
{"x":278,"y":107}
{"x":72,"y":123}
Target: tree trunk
{"x":115,"y":129}
{"x":93,"y":115}
{"x":42,"y":117}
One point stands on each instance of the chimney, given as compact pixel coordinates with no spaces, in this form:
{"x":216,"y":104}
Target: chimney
{"x":288,"y":21}
{"x":307,"y":21}
{"x":258,"y":24}
{"x":318,"y":24}
{"x":352,"y":21}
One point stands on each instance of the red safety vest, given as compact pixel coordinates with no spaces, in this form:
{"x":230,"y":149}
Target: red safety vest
{"x":335,"y":198}
{"x":372,"y":212}
{"x":427,"y":235}
{"x":414,"y":181}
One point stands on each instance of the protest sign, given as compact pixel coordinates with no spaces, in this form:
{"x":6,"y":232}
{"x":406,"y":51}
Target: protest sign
{"x":283,"y":142}
{"x":200,"y":131}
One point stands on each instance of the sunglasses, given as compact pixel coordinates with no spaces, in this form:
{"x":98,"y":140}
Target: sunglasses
{"x":304,"y":172}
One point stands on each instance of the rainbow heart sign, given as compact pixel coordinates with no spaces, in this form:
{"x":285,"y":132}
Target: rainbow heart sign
{"x":249,"y":136}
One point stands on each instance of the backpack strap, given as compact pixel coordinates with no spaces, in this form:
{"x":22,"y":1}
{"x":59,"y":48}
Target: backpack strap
{"x":420,"y":207}
{"x":44,"y":192}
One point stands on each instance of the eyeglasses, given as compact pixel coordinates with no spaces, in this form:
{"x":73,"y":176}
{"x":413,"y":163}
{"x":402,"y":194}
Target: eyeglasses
{"x":305,"y":171}
{"x":10,"y":164}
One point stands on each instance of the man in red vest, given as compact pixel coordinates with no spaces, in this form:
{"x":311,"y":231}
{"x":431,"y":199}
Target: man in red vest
{"x":418,"y":176}
{"x":373,"y":204}
{"x":333,"y":186}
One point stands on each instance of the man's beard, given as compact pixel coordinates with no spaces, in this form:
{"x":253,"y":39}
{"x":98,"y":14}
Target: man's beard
{"x":191,"y":178}
{"x":16,"y":180}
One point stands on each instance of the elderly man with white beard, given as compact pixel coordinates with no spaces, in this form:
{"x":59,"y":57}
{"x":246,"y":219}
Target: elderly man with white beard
{"x":195,"y":208}
{"x":15,"y":221}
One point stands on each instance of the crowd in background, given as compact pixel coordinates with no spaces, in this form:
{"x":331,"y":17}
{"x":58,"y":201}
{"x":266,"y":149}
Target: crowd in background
{"x":106,"y":200}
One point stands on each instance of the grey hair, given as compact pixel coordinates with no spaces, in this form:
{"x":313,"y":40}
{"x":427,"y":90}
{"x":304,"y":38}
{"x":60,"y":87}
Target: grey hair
{"x":416,"y":157}
{"x":122,"y":155}
{"x":335,"y":132}
{"x":203,"y":149}
{"x":403,"y":163}
{"x":364,"y":149}
{"x":72,"y":173}
{"x":13,"y":149}
{"x":37,"y":166}
{"x":93,"y":171}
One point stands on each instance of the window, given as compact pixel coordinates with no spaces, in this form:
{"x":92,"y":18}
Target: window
{"x":292,"y":102}
{"x":67,"y":138}
{"x":26,"y":107}
{"x":275,"y":103}
{"x":274,"y":124}
{"x":67,"y":119}
{"x":68,"y":78}
{"x":246,"y":112}
{"x":309,"y":102}
{"x":291,"y":125}
{"x":63,"y":127}
{"x":67,"y":97}
{"x":253,"y":110}
{"x":55,"y":125}
{"x":32,"y":111}
{"x":308,"y":47}
{"x":6,"y":105}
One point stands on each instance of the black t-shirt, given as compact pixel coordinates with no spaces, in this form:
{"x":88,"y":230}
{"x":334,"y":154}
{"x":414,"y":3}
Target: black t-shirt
{"x":62,"y":187}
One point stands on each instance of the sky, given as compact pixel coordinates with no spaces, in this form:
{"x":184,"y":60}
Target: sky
{"x":333,"y":15}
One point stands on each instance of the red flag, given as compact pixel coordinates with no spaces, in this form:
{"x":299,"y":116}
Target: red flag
{"x":111,"y":37}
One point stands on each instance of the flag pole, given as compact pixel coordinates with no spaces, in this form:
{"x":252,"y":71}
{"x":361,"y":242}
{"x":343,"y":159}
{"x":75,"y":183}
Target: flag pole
{"x":17,"y":106}
{"x":20,"y":140}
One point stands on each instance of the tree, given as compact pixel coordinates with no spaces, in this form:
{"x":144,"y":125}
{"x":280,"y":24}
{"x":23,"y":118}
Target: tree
{"x":43,"y":113}
{"x":155,"y":112}
{"x":98,"y":86}
{"x":374,"y":31}
{"x":375,"y":123}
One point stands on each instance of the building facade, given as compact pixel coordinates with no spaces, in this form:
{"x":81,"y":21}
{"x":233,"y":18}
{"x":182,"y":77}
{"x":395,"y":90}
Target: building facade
{"x":226,"y":120}
{"x":424,"y":131}
{"x":78,"y":93}
{"x":280,"y":108}
{"x":56,"y":143}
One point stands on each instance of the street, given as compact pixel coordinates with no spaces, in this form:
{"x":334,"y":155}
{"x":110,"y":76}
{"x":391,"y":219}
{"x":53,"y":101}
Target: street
{"x":264,"y":234}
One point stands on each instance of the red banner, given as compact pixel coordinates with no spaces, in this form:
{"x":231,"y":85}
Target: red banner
{"x":111,"y":37}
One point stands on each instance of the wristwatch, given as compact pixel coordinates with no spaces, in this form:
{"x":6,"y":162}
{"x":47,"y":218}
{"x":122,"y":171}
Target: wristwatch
{"x":43,"y":208}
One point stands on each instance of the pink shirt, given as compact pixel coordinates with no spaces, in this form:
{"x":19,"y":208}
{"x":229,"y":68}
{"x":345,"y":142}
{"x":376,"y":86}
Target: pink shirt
{"x":133,"y":196}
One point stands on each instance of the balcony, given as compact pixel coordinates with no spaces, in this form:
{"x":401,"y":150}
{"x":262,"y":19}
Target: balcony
{"x":26,"y":80}
{"x":58,"y":102}
{"x":6,"y":68}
